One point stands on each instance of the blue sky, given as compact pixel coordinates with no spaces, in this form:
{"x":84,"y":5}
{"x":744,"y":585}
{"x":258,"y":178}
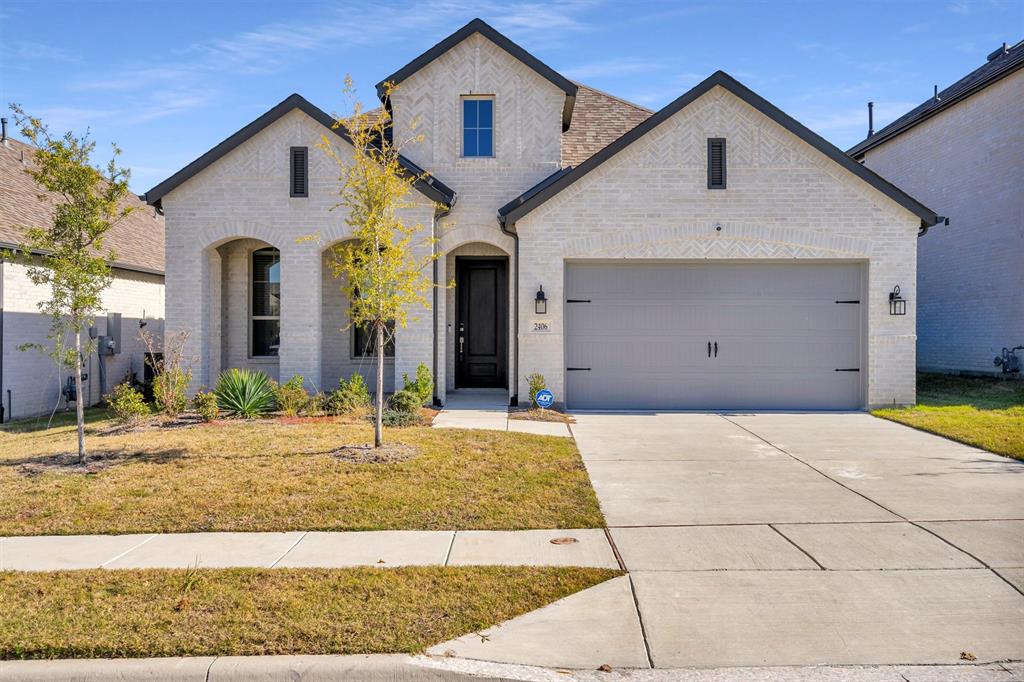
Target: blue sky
{"x":168,"y":80}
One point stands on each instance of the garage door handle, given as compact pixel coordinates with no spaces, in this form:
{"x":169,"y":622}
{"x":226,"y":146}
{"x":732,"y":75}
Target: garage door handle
{"x":716,"y":349}
{"x":577,"y":369}
{"x":709,"y":349}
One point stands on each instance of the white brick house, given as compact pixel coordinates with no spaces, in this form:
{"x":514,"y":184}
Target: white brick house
{"x":30,"y":382}
{"x":714,"y":254}
{"x":962,"y":151}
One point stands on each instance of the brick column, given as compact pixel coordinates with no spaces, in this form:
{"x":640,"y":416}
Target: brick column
{"x":301,"y":297}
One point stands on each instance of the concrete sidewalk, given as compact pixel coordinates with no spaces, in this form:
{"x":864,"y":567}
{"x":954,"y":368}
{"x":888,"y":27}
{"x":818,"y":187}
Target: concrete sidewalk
{"x":309,"y":550}
{"x":488,"y":409}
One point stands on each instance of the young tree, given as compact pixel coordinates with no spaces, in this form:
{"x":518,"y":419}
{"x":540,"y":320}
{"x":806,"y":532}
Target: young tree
{"x":382,"y":275}
{"x":67,"y":255}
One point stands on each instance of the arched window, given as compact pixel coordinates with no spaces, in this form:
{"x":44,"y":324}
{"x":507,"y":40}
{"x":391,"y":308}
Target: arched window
{"x":265,"y":318}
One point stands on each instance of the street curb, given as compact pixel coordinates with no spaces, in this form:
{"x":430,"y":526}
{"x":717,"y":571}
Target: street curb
{"x":371,"y":668}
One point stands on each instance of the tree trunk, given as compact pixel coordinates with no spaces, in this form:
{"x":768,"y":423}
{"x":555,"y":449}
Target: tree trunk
{"x":378,"y":427}
{"x":79,"y":406}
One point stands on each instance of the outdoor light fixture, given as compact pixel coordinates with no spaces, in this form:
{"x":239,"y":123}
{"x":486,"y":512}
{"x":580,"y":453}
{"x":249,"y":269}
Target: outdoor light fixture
{"x":540,"y":304}
{"x":897,"y":304}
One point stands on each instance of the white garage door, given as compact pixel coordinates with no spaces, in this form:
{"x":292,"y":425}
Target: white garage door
{"x":736,"y":336}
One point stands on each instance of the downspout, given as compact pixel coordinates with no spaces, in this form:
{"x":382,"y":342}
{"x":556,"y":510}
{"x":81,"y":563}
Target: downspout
{"x":514,"y":401}
{"x":438,"y":214}
{"x":2,"y":411}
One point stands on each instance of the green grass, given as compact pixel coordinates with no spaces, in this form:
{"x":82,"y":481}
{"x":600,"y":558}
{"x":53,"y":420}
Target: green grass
{"x":278,"y":475}
{"x":245,"y":612}
{"x":984,"y":412}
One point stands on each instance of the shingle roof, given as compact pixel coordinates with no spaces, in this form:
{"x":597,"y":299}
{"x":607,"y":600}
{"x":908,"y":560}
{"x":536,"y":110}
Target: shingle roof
{"x":552,"y":185}
{"x":137,"y":240}
{"x":1001,"y":63}
{"x":599,"y":119}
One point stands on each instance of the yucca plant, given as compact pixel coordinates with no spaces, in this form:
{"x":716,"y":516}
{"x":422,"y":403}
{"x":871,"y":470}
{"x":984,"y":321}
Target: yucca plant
{"x":244,"y":393}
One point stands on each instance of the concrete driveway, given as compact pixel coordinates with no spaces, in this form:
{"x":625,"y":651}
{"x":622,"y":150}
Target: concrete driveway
{"x":800,"y":539}
{"x":788,"y":540}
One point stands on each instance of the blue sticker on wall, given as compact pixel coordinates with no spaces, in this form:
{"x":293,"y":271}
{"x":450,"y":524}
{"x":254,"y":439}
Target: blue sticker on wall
{"x":544,"y":398}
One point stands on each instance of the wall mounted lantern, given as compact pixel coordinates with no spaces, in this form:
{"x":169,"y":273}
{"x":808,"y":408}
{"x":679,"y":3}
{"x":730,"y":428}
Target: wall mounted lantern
{"x":540,"y":303}
{"x":897,"y":304}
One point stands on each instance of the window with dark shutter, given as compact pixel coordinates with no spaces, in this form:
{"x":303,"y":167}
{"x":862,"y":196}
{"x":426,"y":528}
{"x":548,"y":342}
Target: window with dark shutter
{"x":716,"y":163}
{"x":300,"y":172}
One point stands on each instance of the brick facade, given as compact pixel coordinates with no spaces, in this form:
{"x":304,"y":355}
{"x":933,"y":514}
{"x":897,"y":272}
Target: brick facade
{"x":785,"y":200}
{"x":966,"y":162}
{"x":33,"y":378}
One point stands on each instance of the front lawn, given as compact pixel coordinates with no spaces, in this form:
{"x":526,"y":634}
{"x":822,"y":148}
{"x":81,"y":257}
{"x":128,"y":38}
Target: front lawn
{"x":280,"y":474}
{"x":245,"y":612}
{"x":981,"y":411}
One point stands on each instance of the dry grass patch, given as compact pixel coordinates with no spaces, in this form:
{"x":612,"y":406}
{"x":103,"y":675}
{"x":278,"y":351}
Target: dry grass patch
{"x":246,"y":612}
{"x":984,"y":412}
{"x":268,"y":475}
{"x":536,"y":414}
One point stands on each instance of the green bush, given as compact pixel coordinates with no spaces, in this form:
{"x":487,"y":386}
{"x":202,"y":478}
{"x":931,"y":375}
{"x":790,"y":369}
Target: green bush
{"x":423,"y":386}
{"x":405,"y":401}
{"x":291,"y":396}
{"x":394,"y":418}
{"x":127,"y":403}
{"x":205,"y":405}
{"x":537,"y":384}
{"x":352,"y":395}
{"x":318,"y":404}
{"x":169,"y":390}
{"x":244,"y":393}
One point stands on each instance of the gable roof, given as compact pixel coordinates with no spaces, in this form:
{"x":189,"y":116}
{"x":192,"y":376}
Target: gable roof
{"x":430,"y":186}
{"x":599,"y":118}
{"x":487,"y":31}
{"x":534,"y":197}
{"x":1001,"y":63}
{"x":136,"y":240}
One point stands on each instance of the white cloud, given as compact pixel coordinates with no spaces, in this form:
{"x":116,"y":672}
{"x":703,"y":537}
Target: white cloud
{"x":612,"y":67}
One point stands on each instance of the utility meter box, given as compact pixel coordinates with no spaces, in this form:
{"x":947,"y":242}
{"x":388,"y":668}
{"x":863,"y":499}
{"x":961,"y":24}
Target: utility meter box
{"x":110,"y":344}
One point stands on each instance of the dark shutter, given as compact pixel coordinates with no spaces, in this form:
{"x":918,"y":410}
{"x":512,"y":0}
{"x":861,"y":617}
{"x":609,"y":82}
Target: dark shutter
{"x":300,"y":172}
{"x":716,"y":163}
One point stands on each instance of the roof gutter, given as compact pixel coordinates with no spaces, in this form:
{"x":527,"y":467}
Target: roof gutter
{"x":118,"y":265}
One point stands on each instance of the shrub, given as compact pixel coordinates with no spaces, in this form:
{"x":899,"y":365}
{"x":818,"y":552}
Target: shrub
{"x":405,"y":401}
{"x":127,"y":403}
{"x":205,"y":405}
{"x":244,"y":393}
{"x":537,"y":383}
{"x":319,"y":404}
{"x":351,"y":396}
{"x":291,"y":396}
{"x":169,"y":390}
{"x":394,"y":418}
{"x":423,"y":386}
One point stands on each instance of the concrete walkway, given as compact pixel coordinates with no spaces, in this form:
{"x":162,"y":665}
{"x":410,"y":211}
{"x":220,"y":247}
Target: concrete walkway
{"x":309,"y":550}
{"x":786,"y":540}
{"x":488,"y":409}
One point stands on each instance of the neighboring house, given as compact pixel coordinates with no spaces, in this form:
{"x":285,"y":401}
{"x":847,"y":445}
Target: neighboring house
{"x":30,"y":382}
{"x":714,"y":254}
{"x":962,"y":151}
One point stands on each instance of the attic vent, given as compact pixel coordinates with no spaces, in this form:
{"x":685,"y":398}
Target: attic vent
{"x":716,"y":163}
{"x":300,"y":172}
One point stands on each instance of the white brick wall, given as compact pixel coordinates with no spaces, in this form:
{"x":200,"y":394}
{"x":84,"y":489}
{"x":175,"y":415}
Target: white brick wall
{"x":527,"y":135}
{"x":244,"y":196}
{"x":33,"y":377}
{"x":967,"y":163}
{"x":784,"y":200}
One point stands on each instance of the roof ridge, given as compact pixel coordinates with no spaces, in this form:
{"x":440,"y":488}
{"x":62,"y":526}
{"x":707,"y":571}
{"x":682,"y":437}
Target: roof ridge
{"x":614,"y":97}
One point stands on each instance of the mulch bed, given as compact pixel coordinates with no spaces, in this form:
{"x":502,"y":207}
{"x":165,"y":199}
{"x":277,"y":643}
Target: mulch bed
{"x":534,"y":414}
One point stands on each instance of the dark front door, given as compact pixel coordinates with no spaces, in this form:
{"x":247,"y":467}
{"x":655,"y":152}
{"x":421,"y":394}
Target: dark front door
{"x":481,"y":324}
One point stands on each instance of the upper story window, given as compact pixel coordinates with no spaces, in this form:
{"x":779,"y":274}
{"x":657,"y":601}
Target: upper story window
{"x":716,"y":163}
{"x":265,"y":320}
{"x":477,"y":126}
